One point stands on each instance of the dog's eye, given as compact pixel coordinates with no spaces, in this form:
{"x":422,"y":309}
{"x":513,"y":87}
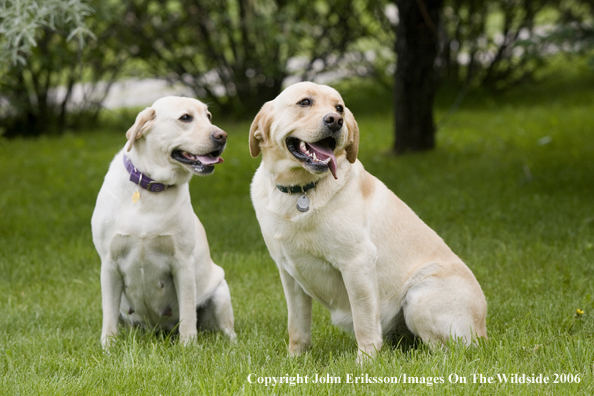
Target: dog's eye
{"x":209,"y":116}
{"x":305,"y":102}
{"x":339,"y":108}
{"x":186,"y":118}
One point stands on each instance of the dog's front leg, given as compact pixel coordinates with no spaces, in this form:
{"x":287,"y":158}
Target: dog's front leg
{"x":299,"y":308}
{"x":185,"y":286}
{"x":112,"y":286}
{"x":361,"y":283}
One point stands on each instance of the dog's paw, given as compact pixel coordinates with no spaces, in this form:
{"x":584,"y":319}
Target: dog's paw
{"x":188,"y":339}
{"x":230,"y":334}
{"x":366,"y":355}
{"x":296,"y":349}
{"x":364,"y":358}
{"x":107,"y":341}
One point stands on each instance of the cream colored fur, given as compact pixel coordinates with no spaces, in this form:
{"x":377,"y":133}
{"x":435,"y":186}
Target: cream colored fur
{"x":359,"y":250}
{"x":156,"y":268}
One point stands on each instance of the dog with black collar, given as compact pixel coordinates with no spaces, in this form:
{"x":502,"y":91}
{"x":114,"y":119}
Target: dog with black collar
{"x":156,"y":269}
{"x":339,"y":235}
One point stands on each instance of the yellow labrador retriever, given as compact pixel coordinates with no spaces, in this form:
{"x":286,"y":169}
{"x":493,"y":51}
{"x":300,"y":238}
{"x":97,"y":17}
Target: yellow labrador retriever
{"x":156,"y":269}
{"x":339,"y":235}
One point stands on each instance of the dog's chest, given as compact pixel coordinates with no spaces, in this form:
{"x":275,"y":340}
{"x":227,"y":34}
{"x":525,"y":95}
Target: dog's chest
{"x":302,"y":249}
{"x":145,"y":265}
{"x":318,"y":233}
{"x":303,"y":234}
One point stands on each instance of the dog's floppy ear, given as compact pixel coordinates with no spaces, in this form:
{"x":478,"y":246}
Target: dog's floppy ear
{"x":260,"y":129}
{"x":140,"y":126}
{"x":352,"y":147}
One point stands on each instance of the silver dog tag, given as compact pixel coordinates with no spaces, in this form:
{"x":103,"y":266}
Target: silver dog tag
{"x":303,"y":203}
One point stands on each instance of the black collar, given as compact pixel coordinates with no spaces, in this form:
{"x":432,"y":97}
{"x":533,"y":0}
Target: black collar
{"x":296,"y":189}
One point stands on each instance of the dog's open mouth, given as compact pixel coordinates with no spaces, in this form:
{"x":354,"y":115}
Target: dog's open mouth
{"x":318,"y":156}
{"x":200,"y":164}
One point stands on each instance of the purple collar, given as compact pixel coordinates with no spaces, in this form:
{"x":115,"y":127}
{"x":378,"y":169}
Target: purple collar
{"x":141,"y":179}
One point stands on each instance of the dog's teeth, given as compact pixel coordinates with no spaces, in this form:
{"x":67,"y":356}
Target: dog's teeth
{"x":302,"y":146}
{"x":189,"y":156}
{"x":314,"y":157}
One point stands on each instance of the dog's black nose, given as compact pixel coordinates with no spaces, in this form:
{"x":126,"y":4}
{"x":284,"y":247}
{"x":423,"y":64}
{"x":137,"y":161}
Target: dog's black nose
{"x":219,"y":136}
{"x":333,"y":121}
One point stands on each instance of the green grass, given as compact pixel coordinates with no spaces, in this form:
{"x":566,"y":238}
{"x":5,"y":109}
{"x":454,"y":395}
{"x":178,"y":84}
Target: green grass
{"x":520,"y":214}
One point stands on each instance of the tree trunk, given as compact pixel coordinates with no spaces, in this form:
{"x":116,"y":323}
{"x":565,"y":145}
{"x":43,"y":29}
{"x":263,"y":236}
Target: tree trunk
{"x":416,"y":76}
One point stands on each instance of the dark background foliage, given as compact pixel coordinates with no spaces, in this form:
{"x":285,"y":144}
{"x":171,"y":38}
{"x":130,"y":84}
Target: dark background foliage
{"x":237,"y":54}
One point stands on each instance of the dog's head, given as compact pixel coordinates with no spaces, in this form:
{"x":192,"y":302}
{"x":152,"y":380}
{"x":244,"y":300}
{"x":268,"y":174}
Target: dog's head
{"x":176,"y":133}
{"x":306,"y":128}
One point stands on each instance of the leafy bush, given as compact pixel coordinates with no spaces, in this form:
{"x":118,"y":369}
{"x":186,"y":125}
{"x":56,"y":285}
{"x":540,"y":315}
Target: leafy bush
{"x":47,"y":49}
{"x":236,"y":53}
{"x":499,"y":43}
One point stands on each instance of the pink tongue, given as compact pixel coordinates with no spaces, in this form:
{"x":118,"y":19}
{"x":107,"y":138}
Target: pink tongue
{"x":209,"y":159}
{"x":323,"y":151}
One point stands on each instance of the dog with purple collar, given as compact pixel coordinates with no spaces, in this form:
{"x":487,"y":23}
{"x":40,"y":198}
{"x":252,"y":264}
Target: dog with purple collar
{"x":156,"y":269}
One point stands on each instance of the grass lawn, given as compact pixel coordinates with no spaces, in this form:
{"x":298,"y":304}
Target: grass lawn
{"x":510,"y":188}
